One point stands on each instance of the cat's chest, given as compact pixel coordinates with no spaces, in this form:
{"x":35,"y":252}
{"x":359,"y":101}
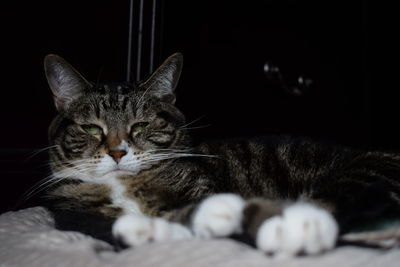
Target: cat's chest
{"x":119,"y":197}
{"x":140,"y":194}
{"x":151,"y":196}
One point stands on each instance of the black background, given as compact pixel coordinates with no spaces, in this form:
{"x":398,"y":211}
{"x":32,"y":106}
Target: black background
{"x":353,"y":100}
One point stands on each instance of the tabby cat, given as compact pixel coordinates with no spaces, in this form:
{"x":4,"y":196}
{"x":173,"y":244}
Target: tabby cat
{"x":124,"y":171}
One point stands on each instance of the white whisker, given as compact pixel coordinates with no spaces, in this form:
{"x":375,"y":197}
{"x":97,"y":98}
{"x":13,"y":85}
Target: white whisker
{"x":38,"y":151}
{"x":139,"y":102}
{"x":193,"y":121}
{"x":196,"y":127}
{"x":165,"y":156}
{"x":54,"y":181}
{"x":41,"y":186}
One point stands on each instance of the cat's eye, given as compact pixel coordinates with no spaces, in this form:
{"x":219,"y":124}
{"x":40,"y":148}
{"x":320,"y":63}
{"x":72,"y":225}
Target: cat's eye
{"x":138,"y":127}
{"x":92,"y":129}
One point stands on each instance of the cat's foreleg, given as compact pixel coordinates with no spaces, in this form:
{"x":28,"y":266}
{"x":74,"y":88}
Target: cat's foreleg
{"x":282,"y":228}
{"x":216,"y":216}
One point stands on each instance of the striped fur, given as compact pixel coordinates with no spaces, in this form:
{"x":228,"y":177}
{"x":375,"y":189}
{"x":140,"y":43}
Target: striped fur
{"x":161,"y":174}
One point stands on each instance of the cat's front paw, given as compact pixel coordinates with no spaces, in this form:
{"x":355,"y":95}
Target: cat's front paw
{"x":218,"y":215}
{"x":135,"y":230}
{"x":302,"y":228}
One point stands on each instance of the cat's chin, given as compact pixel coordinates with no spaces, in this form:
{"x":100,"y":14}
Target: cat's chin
{"x":116,"y":173}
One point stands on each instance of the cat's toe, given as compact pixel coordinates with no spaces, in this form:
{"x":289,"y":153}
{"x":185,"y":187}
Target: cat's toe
{"x":166,"y":231}
{"x":135,"y":230}
{"x":270,"y":235}
{"x":219,"y":215}
{"x":302,"y":228}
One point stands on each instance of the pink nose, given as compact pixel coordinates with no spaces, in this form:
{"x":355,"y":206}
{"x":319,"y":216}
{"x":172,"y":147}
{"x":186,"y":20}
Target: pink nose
{"x":117,"y":155}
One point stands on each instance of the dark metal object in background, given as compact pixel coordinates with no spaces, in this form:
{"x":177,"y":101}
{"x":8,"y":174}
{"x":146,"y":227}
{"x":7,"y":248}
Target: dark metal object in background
{"x":139,"y":42}
{"x":143,"y":33}
{"x":129,"y":55}
{"x":153,"y":32}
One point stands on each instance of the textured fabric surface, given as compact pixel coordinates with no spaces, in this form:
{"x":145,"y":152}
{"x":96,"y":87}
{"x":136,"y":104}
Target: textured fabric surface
{"x":28,"y":238}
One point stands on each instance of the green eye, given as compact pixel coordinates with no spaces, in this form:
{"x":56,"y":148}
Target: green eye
{"x":92,"y":129}
{"x":138,"y":127}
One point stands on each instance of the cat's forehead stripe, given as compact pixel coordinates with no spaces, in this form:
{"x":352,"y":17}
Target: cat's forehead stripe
{"x":116,"y":102}
{"x":124,"y":101}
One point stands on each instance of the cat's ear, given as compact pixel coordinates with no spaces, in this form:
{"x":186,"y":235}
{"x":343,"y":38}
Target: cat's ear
{"x":65,"y":82}
{"x":163,"y":81}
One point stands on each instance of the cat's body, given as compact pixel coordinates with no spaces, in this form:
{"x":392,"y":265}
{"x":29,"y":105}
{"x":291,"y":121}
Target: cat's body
{"x":125,"y":169}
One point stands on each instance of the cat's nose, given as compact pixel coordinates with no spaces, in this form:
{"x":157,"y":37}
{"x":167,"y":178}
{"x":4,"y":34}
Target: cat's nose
{"x":117,"y":155}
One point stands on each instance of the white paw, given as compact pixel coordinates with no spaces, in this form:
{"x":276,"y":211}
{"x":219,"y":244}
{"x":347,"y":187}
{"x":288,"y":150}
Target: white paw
{"x":135,"y":230}
{"x":301,"y":228}
{"x":218,"y":215}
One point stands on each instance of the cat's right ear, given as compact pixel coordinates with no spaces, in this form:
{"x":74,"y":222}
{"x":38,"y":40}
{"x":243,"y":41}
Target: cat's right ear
{"x":65,"y":82}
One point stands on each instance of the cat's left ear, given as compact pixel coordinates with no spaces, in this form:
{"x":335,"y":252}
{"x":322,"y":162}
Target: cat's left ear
{"x":163,"y":81}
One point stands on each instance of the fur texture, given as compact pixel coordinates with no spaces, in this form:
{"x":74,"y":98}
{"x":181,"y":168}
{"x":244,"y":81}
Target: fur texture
{"x":123,"y":168}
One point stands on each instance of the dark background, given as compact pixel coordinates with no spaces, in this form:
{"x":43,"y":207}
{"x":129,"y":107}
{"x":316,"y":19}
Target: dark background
{"x":352,"y":100}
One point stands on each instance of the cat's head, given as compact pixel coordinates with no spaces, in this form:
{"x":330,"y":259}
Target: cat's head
{"x":109,"y":130}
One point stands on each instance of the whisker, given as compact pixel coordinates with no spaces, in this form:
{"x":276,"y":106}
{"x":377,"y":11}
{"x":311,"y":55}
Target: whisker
{"x":193,"y":121}
{"x":70,"y":169}
{"x":72,"y":163}
{"x":139,"y":102}
{"x":38,"y":187}
{"x":166,"y":149}
{"x":54,"y":181}
{"x":38,"y":151}
{"x":160,"y":157}
{"x":80,"y":168}
{"x":196,"y":127}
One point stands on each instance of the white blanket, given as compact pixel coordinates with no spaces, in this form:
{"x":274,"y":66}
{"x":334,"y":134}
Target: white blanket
{"x":28,"y":238}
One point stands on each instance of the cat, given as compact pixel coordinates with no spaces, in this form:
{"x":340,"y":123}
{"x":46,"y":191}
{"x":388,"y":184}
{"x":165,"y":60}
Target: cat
{"x":124,"y":171}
